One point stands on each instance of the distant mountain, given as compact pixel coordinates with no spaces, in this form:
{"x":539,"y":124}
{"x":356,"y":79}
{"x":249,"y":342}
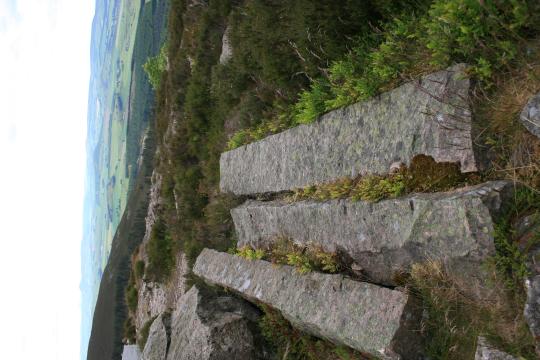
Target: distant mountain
{"x":124,"y":34}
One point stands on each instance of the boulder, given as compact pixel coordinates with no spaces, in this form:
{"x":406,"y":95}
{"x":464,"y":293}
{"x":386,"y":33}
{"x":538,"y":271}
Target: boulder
{"x":369,"y":318}
{"x":131,"y":352}
{"x":430,"y":116}
{"x":386,"y":237}
{"x":207,"y":326}
{"x":484,"y":351}
{"x":530,"y":115}
{"x":158,"y":339}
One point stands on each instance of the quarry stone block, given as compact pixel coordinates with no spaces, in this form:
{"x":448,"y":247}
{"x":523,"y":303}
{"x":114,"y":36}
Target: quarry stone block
{"x":131,"y":352}
{"x":372,"y":319}
{"x":430,"y":116}
{"x":530,"y":115}
{"x":158,"y":339}
{"x":205,"y":326}
{"x":385,"y":237}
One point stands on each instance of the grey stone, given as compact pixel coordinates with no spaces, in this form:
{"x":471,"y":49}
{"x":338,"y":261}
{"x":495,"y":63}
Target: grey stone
{"x":226,"y":48}
{"x":530,"y":115}
{"x":484,"y":351}
{"x":158,"y":339}
{"x":131,"y":352}
{"x":386,"y":237}
{"x":366,"y":317}
{"x":430,"y":116}
{"x":205,"y":326}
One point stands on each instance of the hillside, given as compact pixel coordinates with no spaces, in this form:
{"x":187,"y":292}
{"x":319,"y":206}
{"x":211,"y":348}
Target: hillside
{"x":324,"y":167}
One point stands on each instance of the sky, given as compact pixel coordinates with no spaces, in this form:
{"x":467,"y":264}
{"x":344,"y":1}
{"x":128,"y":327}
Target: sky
{"x":44,"y":78}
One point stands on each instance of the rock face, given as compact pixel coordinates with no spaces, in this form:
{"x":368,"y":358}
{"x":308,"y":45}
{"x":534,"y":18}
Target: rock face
{"x":385,"y":237}
{"x":206,"y":327}
{"x":131,"y":352}
{"x":485,"y":351}
{"x":156,"y":298}
{"x":366,"y":317}
{"x":226,"y":48}
{"x":158,"y":339}
{"x":530,"y":115}
{"x":430,"y":116}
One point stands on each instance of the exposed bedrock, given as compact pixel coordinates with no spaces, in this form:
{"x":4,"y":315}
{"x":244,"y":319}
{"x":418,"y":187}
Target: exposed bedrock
{"x":158,"y":339}
{"x":205,"y":326}
{"x":366,"y":317}
{"x":388,"y":236}
{"x":430,"y":116}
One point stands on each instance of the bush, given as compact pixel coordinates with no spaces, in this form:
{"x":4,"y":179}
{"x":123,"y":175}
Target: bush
{"x":160,"y":250}
{"x":139,"y":269}
{"x":156,"y":66}
{"x":132,"y":298}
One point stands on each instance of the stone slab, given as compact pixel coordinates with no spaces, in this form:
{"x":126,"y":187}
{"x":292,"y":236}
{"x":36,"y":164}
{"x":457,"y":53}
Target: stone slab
{"x":208,"y":327}
{"x":388,"y":236}
{"x":372,"y":319}
{"x":430,"y":116}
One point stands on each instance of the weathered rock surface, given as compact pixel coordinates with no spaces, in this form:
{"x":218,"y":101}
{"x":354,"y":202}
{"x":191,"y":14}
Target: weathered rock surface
{"x":226,"y":48}
{"x":388,"y":236}
{"x":209,"y":327}
{"x":156,"y":298}
{"x":366,"y":317}
{"x":158,"y":339}
{"x":530,"y":115}
{"x":528,"y":234}
{"x":430,"y":116}
{"x":131,"y":352}
{"x":484,"y":351}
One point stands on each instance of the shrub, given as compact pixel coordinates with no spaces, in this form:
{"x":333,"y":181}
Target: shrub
{"x":132,"y":298}
{"x":160,"y":249}
{"x":139,"y":269}
{"x":156,"y":66}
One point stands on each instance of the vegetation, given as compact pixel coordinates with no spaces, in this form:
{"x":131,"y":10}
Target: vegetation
{"x":161,"y":252}
{"x":456,"y":317}
{"x":155,"y":67}
{"x":423,"y":175}
{"x":139,"y":269}
{"x":293,"y":344}
{"x":304,"y":258}
{"x":488,"y":35}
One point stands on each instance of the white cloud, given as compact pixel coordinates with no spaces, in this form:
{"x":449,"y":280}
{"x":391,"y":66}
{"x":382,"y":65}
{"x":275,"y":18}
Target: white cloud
{"x":44,"y":73}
